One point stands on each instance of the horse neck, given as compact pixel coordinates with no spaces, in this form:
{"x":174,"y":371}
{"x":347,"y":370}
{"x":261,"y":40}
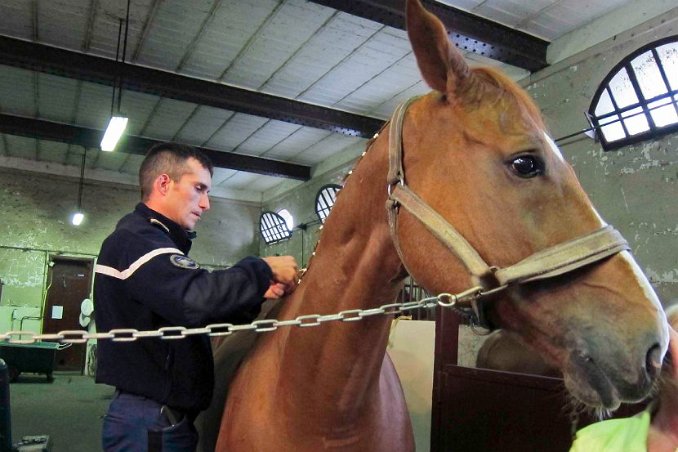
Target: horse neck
{"x":355,"y":266}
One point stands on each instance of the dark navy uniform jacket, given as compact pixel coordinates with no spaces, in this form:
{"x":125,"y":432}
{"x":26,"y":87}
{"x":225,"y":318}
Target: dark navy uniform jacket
{"x":144,"y":280}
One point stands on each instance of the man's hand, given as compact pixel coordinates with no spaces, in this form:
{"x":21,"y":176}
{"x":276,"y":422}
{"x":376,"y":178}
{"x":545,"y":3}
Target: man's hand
{"x":275,"y":291}
{"x":284,"y":270}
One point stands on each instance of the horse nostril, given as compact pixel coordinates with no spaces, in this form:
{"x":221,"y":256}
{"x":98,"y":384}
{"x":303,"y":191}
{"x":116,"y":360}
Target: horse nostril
{"x":653,"y":362}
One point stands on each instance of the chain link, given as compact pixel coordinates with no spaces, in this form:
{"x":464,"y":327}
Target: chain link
{"x":169,"y":333}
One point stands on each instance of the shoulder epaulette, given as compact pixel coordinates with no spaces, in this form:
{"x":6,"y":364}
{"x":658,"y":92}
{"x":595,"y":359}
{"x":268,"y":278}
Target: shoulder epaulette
{"x":157,"y":222}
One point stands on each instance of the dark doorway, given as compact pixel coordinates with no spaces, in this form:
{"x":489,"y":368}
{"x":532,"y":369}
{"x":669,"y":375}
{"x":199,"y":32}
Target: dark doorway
{"x":69,"y":283}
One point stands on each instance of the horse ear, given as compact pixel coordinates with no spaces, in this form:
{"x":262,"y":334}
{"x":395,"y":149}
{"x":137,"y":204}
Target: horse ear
{"x":442,"y":66}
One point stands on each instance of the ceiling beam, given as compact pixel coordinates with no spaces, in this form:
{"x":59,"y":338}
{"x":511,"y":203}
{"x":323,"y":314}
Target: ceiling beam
{"x":80,"y":66}
{"x":90,"y":138}
{"x":467,"y":31}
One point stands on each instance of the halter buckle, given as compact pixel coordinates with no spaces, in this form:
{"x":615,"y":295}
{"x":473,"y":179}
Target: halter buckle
{"x":399,"y":181}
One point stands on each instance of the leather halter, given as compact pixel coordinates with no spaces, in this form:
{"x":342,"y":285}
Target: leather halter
{"x":553,"y":261}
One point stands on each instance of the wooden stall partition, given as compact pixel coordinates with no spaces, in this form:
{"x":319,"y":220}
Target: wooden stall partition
{"x":486,"y":410}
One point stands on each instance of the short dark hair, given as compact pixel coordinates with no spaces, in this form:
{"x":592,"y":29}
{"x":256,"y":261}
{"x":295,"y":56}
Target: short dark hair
{"x":168,"y":158}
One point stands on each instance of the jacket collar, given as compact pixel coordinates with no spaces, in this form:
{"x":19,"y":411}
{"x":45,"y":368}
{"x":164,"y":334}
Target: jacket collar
{"x":180,"y":236}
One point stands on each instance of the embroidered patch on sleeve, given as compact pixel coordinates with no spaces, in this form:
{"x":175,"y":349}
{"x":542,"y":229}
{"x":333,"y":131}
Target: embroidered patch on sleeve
{"x":183,"y":262}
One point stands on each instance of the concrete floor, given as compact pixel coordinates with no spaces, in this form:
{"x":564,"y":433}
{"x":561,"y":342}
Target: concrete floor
{"x":70,"y":410}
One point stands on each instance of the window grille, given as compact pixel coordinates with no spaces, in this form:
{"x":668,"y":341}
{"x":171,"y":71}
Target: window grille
{"x":273,"y":228}
{"x":638,"y":100}
{"x":324,"y":200}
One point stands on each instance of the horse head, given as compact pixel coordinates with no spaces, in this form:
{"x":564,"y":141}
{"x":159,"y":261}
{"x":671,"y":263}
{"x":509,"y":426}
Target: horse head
{"x":476,"y":151}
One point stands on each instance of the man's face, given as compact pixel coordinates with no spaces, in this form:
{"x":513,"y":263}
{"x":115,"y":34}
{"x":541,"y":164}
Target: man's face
{"x":187,"y":198}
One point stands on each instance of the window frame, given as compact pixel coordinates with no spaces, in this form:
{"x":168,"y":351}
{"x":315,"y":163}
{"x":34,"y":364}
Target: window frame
{"x":653,"y":132}
{"x":280,"y":228}
{"x":322,"y":189}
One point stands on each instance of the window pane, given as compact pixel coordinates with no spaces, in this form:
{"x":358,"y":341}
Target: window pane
{"x":604,"y":104}
{"x":613,"y":132}
{"x":648,"y":75}
{"x":635,"y":121}
{"x":609,"y":119}
{"x":663,"y":112}
{"x":622,"y":89}
{"x":289,"y":219}
{"x":668,"y":55}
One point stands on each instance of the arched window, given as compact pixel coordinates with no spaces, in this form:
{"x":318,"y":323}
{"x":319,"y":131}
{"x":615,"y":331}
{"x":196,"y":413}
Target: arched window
{"x":324,"y":200}
{"x":638,"y":99}
{"x":273,"y":228}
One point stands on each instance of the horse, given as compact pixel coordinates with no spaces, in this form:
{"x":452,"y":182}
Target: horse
{"x":472,"y":153}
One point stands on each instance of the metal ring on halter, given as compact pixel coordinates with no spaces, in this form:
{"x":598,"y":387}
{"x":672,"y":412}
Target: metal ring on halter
{"x":400,"y":181}
{"x":447,"y":304}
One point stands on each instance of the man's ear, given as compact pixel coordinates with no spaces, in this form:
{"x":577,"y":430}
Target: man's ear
{"x":162,"y":184}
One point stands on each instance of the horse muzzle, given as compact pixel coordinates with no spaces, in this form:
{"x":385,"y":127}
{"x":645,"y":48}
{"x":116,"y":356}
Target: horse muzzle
{"x":606,"y":385}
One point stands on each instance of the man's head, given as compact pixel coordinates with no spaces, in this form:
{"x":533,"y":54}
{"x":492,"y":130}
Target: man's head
{"x":174,"y":180}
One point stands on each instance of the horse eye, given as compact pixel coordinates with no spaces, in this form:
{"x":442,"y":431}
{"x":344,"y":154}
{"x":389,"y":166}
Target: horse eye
{"x":527,"y":166}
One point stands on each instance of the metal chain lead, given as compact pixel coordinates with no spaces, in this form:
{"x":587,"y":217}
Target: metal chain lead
{"x":446,"y":300}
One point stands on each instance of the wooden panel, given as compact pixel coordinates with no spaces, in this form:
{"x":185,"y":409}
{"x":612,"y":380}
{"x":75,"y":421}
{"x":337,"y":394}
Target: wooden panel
{"x":489,"y":410}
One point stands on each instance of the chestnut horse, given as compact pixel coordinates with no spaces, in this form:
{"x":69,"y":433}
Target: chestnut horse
{"x":475,"y":151}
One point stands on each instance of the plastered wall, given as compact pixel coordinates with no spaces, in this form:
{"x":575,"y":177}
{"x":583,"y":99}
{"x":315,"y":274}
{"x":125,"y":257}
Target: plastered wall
{"x":634,"y":188}
{"x":35,"y":224}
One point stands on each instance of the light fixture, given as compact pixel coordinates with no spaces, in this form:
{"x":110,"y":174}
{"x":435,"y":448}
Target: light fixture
{"x":115,"y":129}
{"x":118,"y":122}
{"x":79,"y":216}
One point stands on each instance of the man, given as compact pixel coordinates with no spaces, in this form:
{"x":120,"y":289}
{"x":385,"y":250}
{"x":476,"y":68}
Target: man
{"x":144,"y":281}
{"x":653,"y":430}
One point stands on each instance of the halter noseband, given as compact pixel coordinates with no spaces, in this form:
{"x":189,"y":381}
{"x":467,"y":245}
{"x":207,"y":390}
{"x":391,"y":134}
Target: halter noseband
{"x":553,"y":261}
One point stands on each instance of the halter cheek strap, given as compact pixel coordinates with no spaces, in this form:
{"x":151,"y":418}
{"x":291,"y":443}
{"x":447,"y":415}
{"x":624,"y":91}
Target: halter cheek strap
{"x":550,"y":262}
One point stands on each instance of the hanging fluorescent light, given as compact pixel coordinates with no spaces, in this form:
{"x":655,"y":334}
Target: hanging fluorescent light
{"x":77,"y":218}
{"x":114,"y":131}
{"x":118,"y":122}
